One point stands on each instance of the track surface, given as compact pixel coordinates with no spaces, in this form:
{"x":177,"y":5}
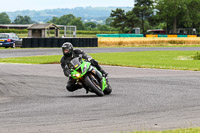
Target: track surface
{"x":33,"y":99}
{"x":57,"y":51}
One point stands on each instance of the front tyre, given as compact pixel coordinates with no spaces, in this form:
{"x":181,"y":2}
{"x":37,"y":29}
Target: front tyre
{"x":93,"y":86}
{"x":108,"y":90}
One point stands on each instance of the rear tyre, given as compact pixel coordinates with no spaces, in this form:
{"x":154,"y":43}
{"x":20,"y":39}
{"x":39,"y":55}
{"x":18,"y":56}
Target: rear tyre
{"x":93,"y":86}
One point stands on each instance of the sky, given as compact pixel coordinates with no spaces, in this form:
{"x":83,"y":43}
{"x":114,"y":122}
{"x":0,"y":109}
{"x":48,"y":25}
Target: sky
{"x":14,"y":5}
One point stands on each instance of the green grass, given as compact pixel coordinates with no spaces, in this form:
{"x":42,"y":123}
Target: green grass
{"x":197,"y":56}
{"x":78,"y":35}
{"x":177,"y":60}
{"x":33,"y":59}
{"x":3,"y":48}
{"x":175,"y":46}
{"x":190,"y":130}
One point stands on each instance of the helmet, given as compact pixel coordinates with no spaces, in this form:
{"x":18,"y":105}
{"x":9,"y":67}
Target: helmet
{"x":67,"y":49}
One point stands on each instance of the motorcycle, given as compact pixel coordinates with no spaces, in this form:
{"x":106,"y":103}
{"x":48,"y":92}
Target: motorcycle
{"x":89,"y":77}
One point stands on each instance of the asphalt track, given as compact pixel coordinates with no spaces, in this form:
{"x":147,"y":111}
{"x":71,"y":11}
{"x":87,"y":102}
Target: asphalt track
{"x":33,"y":99}
{"x":57,"y":51}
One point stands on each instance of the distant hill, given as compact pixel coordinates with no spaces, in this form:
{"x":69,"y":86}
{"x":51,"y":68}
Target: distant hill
{"x":96,"y":14}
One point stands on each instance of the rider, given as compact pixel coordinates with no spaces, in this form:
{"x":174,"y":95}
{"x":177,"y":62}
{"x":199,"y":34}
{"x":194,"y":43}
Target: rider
{"x":70,"y":53}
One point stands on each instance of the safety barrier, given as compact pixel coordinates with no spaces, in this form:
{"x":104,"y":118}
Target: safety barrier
{"x":192,"y":36}
{"x":144,"y":35}
{"x":172,"y":35}
{"x":57,"y":42}
{"x":162,"y":36}
{"x":151,"y":35}
{"x":182,"y":36}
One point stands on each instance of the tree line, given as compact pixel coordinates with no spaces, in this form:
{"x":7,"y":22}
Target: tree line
{"x":158,"y":14}
{"x":68,"y":19}
{"x":4,"y":19}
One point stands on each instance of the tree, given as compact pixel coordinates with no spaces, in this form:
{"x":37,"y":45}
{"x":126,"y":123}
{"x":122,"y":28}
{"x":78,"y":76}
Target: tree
{"x":90,"y":25}
{"x":168,"y":11}
{"x":53,"y":20}
{"x":103,"y":27}
{"x":4,"y":18}
{"x":68,"y":19}
{"x":138,"y":16}
{"x":78,"y":23}
{"x":143,"y":9}
{"x":65,"y":19}
{"x":131,"y":20}
{"x":119,"y":18}
{"x":22,"y":20}
{"x":193,"y":14}
{"x":179,"y":13}
{"x":168,"y":14}
{"x":108,"y":21}
{"x":27,"y":20}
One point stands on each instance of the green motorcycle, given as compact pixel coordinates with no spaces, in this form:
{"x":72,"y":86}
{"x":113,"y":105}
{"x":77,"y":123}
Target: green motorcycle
{"x":89,"y":77}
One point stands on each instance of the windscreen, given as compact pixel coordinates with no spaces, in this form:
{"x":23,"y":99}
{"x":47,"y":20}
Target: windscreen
{"x":75,"y":62}
{"x":4,"y":36}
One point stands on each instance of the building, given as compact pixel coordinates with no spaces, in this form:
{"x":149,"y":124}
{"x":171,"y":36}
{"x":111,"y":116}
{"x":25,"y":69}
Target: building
{"x":42,"y":30}
{"x":14,"y":26}
{"x":69,"y":31}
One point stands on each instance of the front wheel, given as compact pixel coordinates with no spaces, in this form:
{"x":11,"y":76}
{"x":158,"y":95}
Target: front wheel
{"x":108,"y":90}
{"x":93,"y":86}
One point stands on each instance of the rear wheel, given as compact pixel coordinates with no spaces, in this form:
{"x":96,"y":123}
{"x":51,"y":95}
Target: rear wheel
{"x":93,"y":86}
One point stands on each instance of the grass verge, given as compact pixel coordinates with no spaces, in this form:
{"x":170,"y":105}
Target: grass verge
{"x":174,"y":46}
{"x":51,"y":59}
{"x":190,"y":130}
{"x":176,"y":60}
{"x":78,"y":35}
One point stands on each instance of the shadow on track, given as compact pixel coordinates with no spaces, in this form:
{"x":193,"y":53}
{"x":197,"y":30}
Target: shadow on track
{"x":89,"y":96}
{"x":82,"y":96}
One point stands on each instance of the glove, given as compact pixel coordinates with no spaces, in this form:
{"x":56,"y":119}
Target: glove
{"x":68,"y":72}
{"x":90,"y":59}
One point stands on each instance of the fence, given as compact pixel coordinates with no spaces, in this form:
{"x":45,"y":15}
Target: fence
{"x":57,"y":42}
{"x":120,"y":35}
